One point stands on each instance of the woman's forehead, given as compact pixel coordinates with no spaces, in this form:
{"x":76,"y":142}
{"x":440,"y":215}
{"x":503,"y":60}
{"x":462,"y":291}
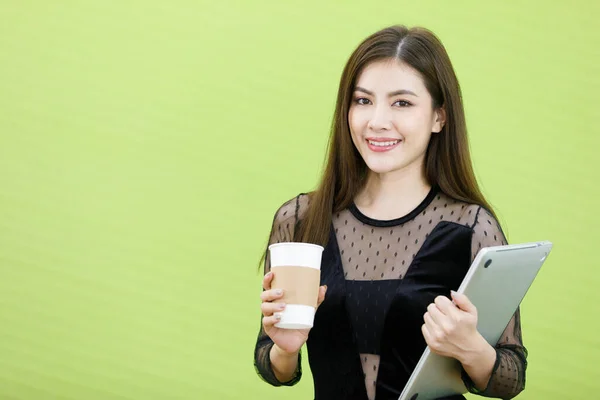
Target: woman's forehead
{"x":389,"y":76}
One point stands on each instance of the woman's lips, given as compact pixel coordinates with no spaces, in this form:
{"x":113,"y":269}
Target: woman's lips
{"x":382,"y":144}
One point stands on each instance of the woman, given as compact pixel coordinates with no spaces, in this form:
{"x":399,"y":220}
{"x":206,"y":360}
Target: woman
{"x":401,"y":218}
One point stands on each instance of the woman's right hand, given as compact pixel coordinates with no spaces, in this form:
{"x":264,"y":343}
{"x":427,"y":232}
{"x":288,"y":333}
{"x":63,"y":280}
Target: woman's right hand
{"x":289,"y":341}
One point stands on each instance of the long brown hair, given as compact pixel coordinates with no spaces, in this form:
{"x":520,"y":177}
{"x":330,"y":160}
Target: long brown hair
{"x":448,"y":160}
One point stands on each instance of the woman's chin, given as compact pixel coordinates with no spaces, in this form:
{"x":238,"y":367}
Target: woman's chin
{"x":391,"y":165}
{"x":378,"y":168}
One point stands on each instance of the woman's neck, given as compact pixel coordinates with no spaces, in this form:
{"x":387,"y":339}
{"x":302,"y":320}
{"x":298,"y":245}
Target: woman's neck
{"x":392,"y":195}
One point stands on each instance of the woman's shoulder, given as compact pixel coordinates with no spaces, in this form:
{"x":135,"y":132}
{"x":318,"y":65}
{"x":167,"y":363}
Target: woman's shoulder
{"x":464,"y":212}
{"x":293,"y":209}
{"x":485,"y":226}
{"x":287,"y":218}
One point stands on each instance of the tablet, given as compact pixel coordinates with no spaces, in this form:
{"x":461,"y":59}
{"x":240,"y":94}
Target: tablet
{"x":496,"y":283}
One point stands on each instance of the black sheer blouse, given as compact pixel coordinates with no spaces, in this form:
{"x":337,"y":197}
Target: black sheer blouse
{"x":381,"y":276}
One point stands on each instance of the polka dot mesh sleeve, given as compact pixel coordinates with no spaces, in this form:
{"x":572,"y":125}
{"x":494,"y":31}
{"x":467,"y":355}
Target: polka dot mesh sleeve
{"x":283,"y":229}
{"x":508,"y":375}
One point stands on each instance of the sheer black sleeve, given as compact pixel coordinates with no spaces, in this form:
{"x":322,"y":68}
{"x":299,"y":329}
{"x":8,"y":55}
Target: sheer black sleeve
{"x":283,"y":230}
{"x":508,"y":375}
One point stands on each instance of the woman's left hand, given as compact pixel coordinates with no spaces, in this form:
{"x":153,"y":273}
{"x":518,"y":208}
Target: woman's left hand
{"x":450,"y":328}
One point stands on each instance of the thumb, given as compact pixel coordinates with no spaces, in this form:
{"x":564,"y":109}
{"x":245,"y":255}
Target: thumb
{"x":463,"y":302}
{"x":322,"y":291}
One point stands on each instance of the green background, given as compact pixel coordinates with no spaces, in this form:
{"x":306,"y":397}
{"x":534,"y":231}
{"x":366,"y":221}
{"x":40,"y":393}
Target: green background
{"x":145,"y":146}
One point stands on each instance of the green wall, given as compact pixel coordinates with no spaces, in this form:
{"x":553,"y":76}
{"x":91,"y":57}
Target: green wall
{"x":145,"y":145}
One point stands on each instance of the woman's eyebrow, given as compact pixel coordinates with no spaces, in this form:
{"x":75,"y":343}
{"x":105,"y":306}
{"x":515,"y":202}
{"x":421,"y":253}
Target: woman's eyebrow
{"x":391,"y":94}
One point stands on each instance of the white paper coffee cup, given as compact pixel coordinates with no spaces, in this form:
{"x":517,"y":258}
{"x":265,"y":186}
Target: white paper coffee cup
{"x":296,"y":269}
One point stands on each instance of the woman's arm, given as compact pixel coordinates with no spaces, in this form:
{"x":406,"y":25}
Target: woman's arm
{"x":508,"y":375}
{"x":274,"y":368}
{"x":280,"y":364}
{"x":284,"y":365}
{"x":451,"y":329}
{"x":479,"y":362}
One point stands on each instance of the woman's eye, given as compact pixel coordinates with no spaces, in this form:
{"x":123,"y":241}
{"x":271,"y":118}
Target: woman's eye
{"x":362,"y":101}
{"x":402,"y":103}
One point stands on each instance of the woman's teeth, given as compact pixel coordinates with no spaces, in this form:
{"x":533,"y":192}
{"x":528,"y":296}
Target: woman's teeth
{"x":383,"y":144}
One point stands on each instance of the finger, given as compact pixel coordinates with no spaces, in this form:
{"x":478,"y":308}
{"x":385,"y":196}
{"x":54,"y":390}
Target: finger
{"x":269,"y":308}
{"x":436,"y":315}
{"x":463,"y":303}
{"x":426,"y":333}
{"x":431,"y":324}
{"x":270,"y":295}
{"x":322,"y":292}
{"x":267,"y":280}
{"x":269,"y":321}
{"x":446,"y":306}
{"x":435,"y":333}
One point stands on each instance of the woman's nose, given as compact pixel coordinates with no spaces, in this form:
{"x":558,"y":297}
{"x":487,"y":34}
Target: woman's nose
{"x":381,"y":119}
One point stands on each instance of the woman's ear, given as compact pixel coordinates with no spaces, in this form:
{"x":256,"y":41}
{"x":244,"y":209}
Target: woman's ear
{"x":440,"y":120}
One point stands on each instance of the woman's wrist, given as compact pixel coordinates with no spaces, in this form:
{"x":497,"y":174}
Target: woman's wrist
{"x":283,"y":363}
{"x":478,"y":362}
{"x":279,"y":352}
{"x":480,"y":353}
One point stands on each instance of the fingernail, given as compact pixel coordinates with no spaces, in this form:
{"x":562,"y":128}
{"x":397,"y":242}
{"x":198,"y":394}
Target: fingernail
{"x":269,"y":274}
{"x":278,"y":292}
{"x":453,"y":293}
{"x":281,"y":306}
{"x":277,"y":316}
{"x":325,"y":286}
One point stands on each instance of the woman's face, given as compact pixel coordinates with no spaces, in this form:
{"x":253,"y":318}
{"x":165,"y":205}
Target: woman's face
{"x":391,"y":117}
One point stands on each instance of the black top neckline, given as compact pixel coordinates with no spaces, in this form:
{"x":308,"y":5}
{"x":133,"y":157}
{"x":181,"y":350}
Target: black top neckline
{"x":396,"y":221}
